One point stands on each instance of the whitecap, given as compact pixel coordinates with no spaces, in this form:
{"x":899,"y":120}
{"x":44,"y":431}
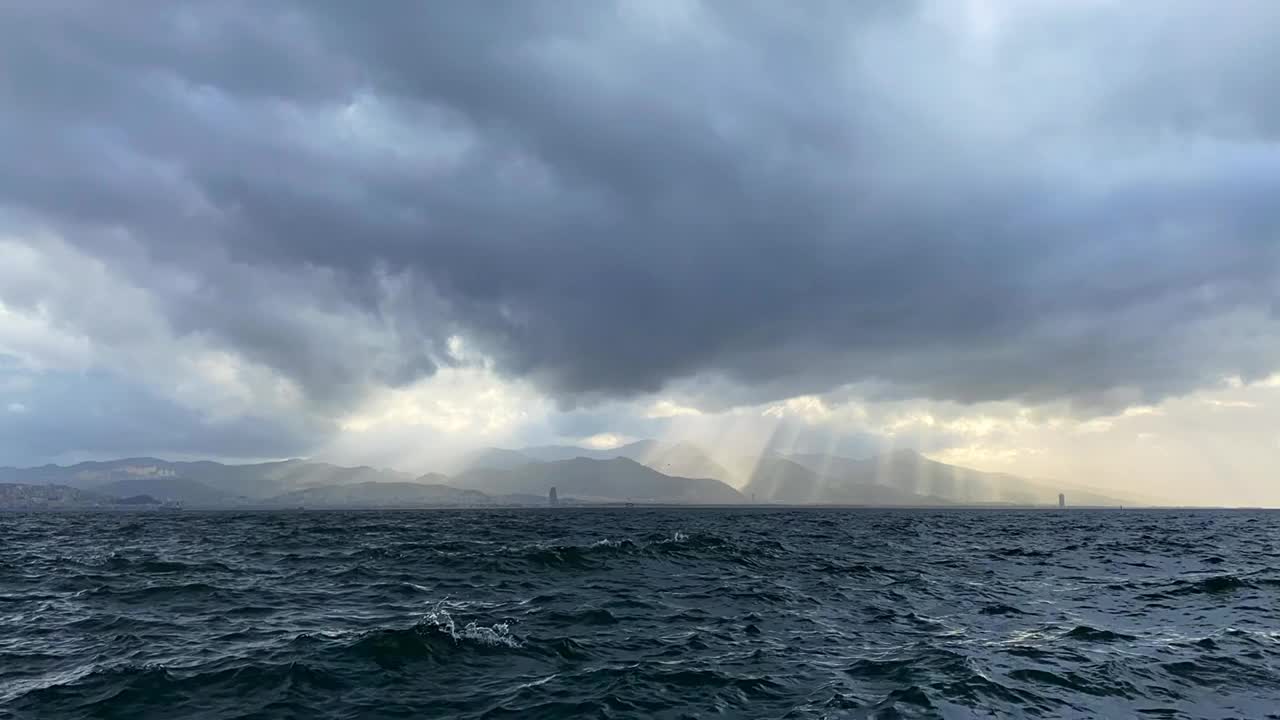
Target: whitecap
{"x":498,"y":634}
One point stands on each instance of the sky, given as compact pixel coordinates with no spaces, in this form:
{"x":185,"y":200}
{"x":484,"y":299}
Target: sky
{"x":1037,"y":237}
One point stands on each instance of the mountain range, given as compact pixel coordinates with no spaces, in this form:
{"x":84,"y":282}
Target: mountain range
{"x":592,"y":479}
{"x":902,"y":477}
{"x":676,"y":459}
{"x":647,"y":471}
{"x":382,"y":494}
{"x":200,"y":482}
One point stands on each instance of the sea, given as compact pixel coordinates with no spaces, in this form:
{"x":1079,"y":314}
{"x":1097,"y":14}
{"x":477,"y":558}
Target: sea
{"x":641,"y":613}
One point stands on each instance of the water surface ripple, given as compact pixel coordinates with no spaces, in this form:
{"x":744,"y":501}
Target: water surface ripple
{"x":640,"y":613}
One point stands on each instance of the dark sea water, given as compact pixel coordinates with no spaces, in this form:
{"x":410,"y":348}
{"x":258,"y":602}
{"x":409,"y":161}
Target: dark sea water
{"x":640,"y":613}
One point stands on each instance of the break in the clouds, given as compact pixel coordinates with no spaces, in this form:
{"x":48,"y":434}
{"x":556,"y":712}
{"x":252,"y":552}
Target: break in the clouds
{"x":278,"y":212}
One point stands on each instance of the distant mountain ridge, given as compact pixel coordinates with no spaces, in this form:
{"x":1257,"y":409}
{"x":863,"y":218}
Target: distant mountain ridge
{"x":785,"y":481}
{"x":382,"y":494}
{"x":644,"y":471}
{"x":899,"y":478}
{"x":590,"y":479}
{"x":911,"y":472}
{"x":676,"y":459}
{"x":201,"y":482}
{"x":307,"y":484}
{"x":168,"y":489}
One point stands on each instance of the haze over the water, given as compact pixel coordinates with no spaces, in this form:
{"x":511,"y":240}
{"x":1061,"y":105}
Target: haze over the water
{"x":1038,"y":237}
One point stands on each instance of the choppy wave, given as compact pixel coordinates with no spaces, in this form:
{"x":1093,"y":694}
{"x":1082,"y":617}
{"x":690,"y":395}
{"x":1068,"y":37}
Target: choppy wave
{"x":641,"y":613}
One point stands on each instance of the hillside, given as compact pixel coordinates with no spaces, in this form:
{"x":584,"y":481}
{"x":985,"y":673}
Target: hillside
{"x":781,"y":480}
{"x":644,"y":471}
{"x":257,"y":481}
{"x":681,"y":459}
{"x":590,"y":479}
{"x":167,"y":489}
{"x":675,"y":459}
{"x":556,"y":453}
{"x":904,"y":477}
{"x":88,"y":475}
{"x":911,"y":472}
{"x":382,"y":494}
{"x":491,"y":458}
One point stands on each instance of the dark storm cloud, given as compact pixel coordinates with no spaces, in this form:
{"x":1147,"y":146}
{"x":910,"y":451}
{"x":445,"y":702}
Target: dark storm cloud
{"x":103,"y":416}
{"x":608,"y":198}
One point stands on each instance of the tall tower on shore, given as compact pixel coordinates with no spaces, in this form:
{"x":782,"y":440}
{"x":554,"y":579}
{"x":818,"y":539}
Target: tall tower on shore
{"x":552,"y":500}
{"x":1062,"y":501}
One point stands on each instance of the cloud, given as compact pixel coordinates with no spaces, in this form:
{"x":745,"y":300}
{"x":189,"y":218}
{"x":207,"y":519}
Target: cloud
{"x":70,"y":417}
{"x":667,"y":409}
{"x":712,"y":204}
{"x":606,"y":441}
{"x":1218,"y":445}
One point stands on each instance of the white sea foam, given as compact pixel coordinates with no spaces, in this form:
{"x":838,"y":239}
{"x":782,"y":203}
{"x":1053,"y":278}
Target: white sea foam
{"x":498,"y":634}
